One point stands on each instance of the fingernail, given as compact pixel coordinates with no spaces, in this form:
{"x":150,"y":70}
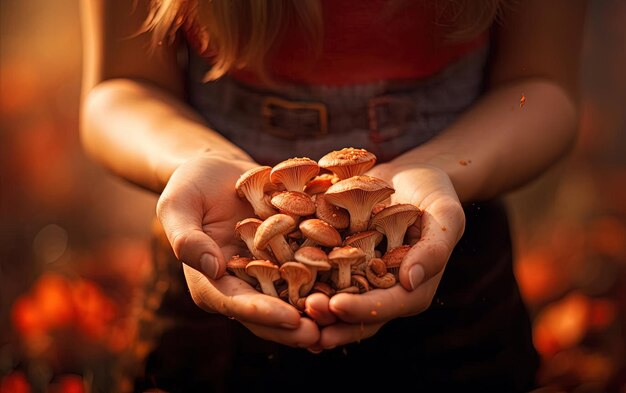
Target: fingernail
{"x":315,"y":350}
{"x":416,"y":275}
{"x":209,"y":265}
{"x":288,"y":325}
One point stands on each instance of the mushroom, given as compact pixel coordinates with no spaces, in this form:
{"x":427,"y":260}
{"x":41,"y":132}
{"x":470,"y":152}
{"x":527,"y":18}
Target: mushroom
{"x":315,"y":259}
{"x":320,"y":183}
{"x":237,"y":266}
{"x":297,"y":275}
{"x":351,"y":289}
{"x":266,"y":272}
{"x":358,"y":195}
{"x":394,"y":257}
{"x":324,"y":288}
{"x":377,"y":275}
{"x":343,"y":258}
{"x":246,"y":229}
{"x":294,"y":173}
{"x":252,"y":185}
{"x":366,"y":241}
{"x":348,"y":162}
{"x":393,"y":222}
{"x":334,"y":215}
{"x":319,"y":232}
{"x":271,"y":233}
{"x":294,"y":203}
{"x":360,"y":282}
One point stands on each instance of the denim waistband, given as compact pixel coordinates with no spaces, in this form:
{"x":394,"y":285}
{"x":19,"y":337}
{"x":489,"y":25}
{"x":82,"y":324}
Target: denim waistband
{"x":386,"y":118}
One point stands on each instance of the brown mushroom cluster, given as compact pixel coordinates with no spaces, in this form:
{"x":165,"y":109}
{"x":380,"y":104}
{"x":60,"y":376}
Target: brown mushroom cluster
{"x":320,"y":226}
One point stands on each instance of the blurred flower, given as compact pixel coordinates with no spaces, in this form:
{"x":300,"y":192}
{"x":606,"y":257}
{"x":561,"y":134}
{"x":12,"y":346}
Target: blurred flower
{"x":67,"y":383}
{"x":539,"y":276}
{"x":94,"y":311}
{"x":562,"y":324}
{"x":603,"y":313}
{"x":15,"y":382}
{"x":47,"y":306}
{"x":578,"y":369}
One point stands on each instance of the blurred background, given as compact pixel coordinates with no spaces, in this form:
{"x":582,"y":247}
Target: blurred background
{"x":70,"y":231}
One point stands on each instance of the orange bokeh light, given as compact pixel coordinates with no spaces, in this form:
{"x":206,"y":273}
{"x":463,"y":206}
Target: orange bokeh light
{"x":562,"y":324}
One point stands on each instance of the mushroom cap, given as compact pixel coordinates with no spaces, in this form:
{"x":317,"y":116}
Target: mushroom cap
{"x":323,"y":287}
{"x":294,"y":173}
{"x":320,"y":183}
{"x":393,"y":258}
{"x":237,"y":262}
{"x":363,"y":183}
{"x":350,"y":255}
{"x":294,"y":203}
{"x":263,"y":270}
{"x":237,"y":266}
{"x":246,"y":230}
{"x":358,"y":194}
{"x":348,"y":162}
{"x":247,"y":227}
{"x":334,"y":215}
{"x":401,"y":215}
{"x":276,"y":225}
{"x":364,"y":240}
{"x":313,"y":257}
{"x":296,"y":274}
{"x":255,"y":178}
{"x":320,"y":232}
{"x":252,"y":186}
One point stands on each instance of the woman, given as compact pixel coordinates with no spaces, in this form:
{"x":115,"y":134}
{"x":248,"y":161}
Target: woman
{"x":461,"y":102}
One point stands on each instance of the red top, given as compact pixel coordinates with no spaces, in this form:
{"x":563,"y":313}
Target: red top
{"x":362,"y":45}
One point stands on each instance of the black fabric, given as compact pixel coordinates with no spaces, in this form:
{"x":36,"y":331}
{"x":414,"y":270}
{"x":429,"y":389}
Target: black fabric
{"x":476,"y":336}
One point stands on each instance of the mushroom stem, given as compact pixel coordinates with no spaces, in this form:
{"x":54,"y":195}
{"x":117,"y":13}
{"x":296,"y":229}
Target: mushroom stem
{"x":359,"y":222}
{"x":281,"y":249}
{"x":268,"y":288}
{"x":343,"y":276}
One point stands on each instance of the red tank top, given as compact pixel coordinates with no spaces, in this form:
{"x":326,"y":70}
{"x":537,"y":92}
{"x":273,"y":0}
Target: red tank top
{"x":363,"y":45}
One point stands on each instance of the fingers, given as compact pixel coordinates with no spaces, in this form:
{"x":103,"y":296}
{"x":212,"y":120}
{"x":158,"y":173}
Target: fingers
{"x":304,"y":336}
{"x":381,"y":305}
{"x":317,"y":307}
{"x":344,"y":333}
{"x":234,"y":298}
{"x":443,"y":223}
{"x":182,"y":222}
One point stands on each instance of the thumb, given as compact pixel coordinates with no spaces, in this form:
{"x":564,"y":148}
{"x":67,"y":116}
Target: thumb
{"x":442,"y":225}
{"x":191,"y":245}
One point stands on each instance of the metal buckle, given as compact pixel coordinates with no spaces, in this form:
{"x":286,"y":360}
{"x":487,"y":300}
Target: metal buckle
{"x":394,"y":125}
{"x":268,"y":109}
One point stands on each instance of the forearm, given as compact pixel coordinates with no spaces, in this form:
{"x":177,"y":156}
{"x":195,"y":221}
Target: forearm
{"x":499,"y":145}
{"x":143,"y":134}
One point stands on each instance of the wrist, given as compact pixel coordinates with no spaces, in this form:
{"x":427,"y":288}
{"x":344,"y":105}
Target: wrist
{"x":165,"y":167}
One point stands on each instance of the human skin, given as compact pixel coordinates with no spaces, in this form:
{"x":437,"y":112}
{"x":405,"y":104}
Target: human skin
{"x":134,"y":121}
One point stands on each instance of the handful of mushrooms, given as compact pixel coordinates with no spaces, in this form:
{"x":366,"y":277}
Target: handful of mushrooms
{"x":321,"y":227}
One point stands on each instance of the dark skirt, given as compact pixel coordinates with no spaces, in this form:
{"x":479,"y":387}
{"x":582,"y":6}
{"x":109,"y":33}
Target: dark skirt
{"x":476,"y":336}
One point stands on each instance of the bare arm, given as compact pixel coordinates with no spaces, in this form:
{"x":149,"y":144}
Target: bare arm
{"x":536,"y":55}
{"x":498,"y":146}
{"x":133,"y":118}
{"x":135,"y":122}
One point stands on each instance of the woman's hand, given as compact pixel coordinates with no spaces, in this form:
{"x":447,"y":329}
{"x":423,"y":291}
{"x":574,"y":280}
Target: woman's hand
{"x":198,"y":210}
{"x":440,"y":228}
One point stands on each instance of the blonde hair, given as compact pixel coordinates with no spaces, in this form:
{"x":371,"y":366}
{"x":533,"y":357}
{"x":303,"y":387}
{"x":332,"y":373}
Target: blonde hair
{"x":240,"y":33}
